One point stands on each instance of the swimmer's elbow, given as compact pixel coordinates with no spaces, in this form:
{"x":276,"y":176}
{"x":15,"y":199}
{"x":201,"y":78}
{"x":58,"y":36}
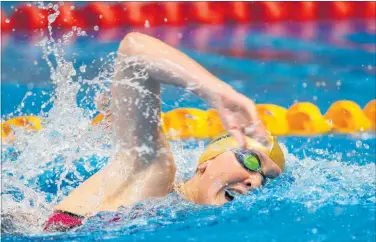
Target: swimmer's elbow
{"x":132,"y":44}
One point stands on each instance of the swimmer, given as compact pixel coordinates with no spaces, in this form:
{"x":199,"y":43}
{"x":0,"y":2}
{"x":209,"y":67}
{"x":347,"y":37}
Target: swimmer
{"x":234,"y":163}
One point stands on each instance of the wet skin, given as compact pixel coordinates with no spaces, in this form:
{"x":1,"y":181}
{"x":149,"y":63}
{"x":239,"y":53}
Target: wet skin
{"x":219,"y":180}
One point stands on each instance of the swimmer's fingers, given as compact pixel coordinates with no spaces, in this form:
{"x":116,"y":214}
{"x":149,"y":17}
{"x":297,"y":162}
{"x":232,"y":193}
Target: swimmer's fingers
{"x":231,"y":123}
{"x":239,"y":136}
{"x":255,"y":127}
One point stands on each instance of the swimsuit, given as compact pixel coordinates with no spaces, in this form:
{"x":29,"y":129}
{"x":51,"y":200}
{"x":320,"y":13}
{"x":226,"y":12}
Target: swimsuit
{"x":61,"y":221}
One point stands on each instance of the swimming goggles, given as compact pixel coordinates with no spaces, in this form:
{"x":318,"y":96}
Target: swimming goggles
{"x":249,"y":160}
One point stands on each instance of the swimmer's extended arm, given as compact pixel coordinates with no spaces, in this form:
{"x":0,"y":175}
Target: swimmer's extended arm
{"x":168,"y":65}
{"x":143,"y":166}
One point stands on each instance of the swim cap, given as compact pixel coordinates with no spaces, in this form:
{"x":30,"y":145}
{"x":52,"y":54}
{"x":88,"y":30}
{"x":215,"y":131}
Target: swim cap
{"x":225,"y":142}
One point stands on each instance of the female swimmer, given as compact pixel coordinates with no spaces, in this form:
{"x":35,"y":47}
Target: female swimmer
{"x":143,"y":166}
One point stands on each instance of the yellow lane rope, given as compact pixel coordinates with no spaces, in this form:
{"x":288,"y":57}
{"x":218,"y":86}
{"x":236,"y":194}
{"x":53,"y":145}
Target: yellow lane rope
{"x":300,"y":119}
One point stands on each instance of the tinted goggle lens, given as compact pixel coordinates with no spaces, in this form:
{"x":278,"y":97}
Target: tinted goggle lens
{"x":248,"y":159}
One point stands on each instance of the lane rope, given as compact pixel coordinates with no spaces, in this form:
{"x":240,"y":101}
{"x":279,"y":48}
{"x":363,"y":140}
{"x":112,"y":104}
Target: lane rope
{"x":300,"y":119}
{"x":145,"y":14}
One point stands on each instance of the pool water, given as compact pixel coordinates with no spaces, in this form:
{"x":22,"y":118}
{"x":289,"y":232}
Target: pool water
{"x":326,"y":194}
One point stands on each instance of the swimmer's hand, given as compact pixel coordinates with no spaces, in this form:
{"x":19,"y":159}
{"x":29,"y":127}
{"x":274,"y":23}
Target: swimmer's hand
{"x":238,"y":114}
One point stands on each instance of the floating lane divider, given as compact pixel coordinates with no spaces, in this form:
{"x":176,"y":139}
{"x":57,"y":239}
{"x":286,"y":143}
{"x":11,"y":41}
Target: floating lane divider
{"x":300,"y":119}
{"x":137,"y":14}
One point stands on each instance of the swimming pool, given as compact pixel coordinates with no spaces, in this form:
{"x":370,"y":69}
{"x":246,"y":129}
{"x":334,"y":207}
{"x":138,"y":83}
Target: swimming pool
{"x":326,"y":194}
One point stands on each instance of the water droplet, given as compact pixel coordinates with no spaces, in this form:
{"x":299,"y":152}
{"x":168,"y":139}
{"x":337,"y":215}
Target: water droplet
{"x":35,"y":62}
{"x":83,"y":68}
{"x":358,"y":143}
{"x":314,"y":230}
{"x":165,"y":19}
{"x":100,"y":16}
{"x":72,"y":7}
{"x":369,"y":67}
{"x":52,"y":18}
{"x":323,"y":84}
{"x":366,"y":146}
{"x":50,"y":5}
{"x":338,"y":83}
{"x":314,"y":98}
{"x":96,"y":27}
{"x":304,"y":84}
{"x":56,"y":7}
{"x":180,"y":35}
{"x":7,"y":21}
{"x":147,"y":24}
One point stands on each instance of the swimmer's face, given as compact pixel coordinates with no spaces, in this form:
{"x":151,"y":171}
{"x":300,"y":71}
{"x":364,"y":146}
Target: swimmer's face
{"x":223,"y":178}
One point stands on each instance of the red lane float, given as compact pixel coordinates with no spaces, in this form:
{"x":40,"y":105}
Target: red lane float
{"x":269,"y":11}
{"x":206,"y":12}
{"x":99,"y":14}
{"x":28,"y":17}
{"x":4,"y":25}
{"x":369,"y":9}
{"x":238,"y":12}
{"x":151,"y":14}
{"x":141,"y":14}
{"x":174,"y":13}
{"x":302,"y":11}
{"x":67,"y":17}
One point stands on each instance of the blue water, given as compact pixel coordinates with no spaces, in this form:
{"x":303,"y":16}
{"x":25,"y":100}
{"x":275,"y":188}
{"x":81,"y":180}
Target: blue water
{"x":328,"y":190}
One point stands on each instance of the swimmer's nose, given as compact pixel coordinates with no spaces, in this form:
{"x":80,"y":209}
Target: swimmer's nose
{"x":253,"y":182}
{"x":248,"y":184}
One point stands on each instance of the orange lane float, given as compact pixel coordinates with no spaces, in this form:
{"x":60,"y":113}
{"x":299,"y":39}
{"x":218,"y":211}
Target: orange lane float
{"x":215,"y":125}
{"x":185,"y":123}
{"x":300,"y":119}
{"x":274,"y":118}
{"x":27,"y":122}
{"x":347,"y":117}
{"x":370,"y":112}
{"x":306,"y":119}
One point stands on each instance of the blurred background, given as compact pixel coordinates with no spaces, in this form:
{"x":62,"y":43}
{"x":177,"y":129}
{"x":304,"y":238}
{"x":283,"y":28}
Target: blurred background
{"x":274,"y":52}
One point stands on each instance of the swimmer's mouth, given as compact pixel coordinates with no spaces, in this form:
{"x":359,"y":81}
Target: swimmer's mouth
{"x":230,"y":195}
